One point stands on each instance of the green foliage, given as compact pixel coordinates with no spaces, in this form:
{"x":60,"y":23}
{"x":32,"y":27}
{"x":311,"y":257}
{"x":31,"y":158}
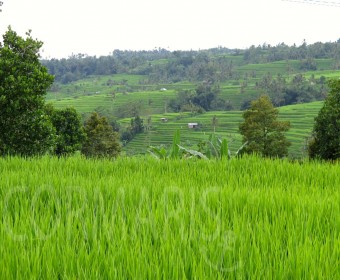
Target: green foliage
{"x":182,"y":101}
{"x":69,"y":130}
{"x":189,"y":153}
{"x":25,"y":129}
{"x":163,"y":66}
{"x":203,"y":98}
{"x":158,"y":152}
{"x":136,"y":127}
{"x":205,"y":94}
{"x":297,"y":90}
{"x":267,"y":53}
{"x":308,"y":64}
{"x":325,"y":143}
{"x":101,"y":140}
{"x":213,"y":148}
{"x":224,"y":151}
{"x":174,"y":153}
{"x":218,"y":148}
{"x":246,"y":104}
{"x":262,"y":131}
{"x":129,"y":109}
{"x":282,"y":80}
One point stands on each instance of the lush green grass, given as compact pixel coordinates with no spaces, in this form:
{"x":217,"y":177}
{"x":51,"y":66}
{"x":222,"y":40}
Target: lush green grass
{"x":138,"y":218}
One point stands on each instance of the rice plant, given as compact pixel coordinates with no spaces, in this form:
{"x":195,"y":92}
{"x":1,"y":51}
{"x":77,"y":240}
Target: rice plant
{"x":140,"y":218}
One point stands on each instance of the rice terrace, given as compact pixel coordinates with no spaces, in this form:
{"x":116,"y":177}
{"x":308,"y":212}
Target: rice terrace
{"x":211,"y":164}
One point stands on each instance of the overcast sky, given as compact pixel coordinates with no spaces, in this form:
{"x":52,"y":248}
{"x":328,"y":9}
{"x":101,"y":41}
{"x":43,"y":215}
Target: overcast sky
{"x":98,"y":27}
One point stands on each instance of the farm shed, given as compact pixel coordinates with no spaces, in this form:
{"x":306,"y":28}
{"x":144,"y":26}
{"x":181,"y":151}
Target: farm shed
{"x":192,"y":125}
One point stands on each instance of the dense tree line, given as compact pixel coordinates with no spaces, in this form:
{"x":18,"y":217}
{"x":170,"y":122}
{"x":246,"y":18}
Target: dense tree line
{"x":204,"y":98}
{"x":28,"y":126}
{"x":267,"y":53}
{"x":213,"y":64}
{"x":296,"y":90}
{"x":80,"y":66}
{"x":178,"y":66}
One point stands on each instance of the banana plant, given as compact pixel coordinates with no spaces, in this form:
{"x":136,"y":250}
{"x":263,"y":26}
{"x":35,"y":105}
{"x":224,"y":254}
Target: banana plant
{"x":173,"y":153}
{"x":214,"y":147}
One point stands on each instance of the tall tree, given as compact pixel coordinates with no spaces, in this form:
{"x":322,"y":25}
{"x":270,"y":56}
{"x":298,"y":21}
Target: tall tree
{"x":325,"y":143}
{"x":70,"y":134}
{"x":101,"y":140}
{"x":137,"y":125}
{"x":262,"y":131}
{"x":206,"y":93}
{"x":25,"y":128}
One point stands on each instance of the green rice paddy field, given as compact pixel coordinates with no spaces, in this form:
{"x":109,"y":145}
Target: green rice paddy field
{"x":301,"y":117}
{"x":139,"y":218}
{"x":96,"y":93}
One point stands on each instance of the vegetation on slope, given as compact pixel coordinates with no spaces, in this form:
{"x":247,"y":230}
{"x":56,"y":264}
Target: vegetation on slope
{"x":161,"y":65}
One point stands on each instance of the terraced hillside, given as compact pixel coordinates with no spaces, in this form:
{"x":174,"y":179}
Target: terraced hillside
{"x":160,"y":133}
{"x":113,"y":92}
{"x":120,"y":96}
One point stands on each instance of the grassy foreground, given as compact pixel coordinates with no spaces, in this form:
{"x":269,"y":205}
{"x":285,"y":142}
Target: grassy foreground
{"x":138,"y":218}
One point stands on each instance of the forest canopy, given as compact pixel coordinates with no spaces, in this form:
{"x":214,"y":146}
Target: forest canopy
{"x":215,"y":63}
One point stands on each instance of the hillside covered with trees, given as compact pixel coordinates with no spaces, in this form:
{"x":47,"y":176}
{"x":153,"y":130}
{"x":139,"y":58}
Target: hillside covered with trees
{"x":150,"y":85}
{"x":218,"y":64}
{"x":289,"y":74}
